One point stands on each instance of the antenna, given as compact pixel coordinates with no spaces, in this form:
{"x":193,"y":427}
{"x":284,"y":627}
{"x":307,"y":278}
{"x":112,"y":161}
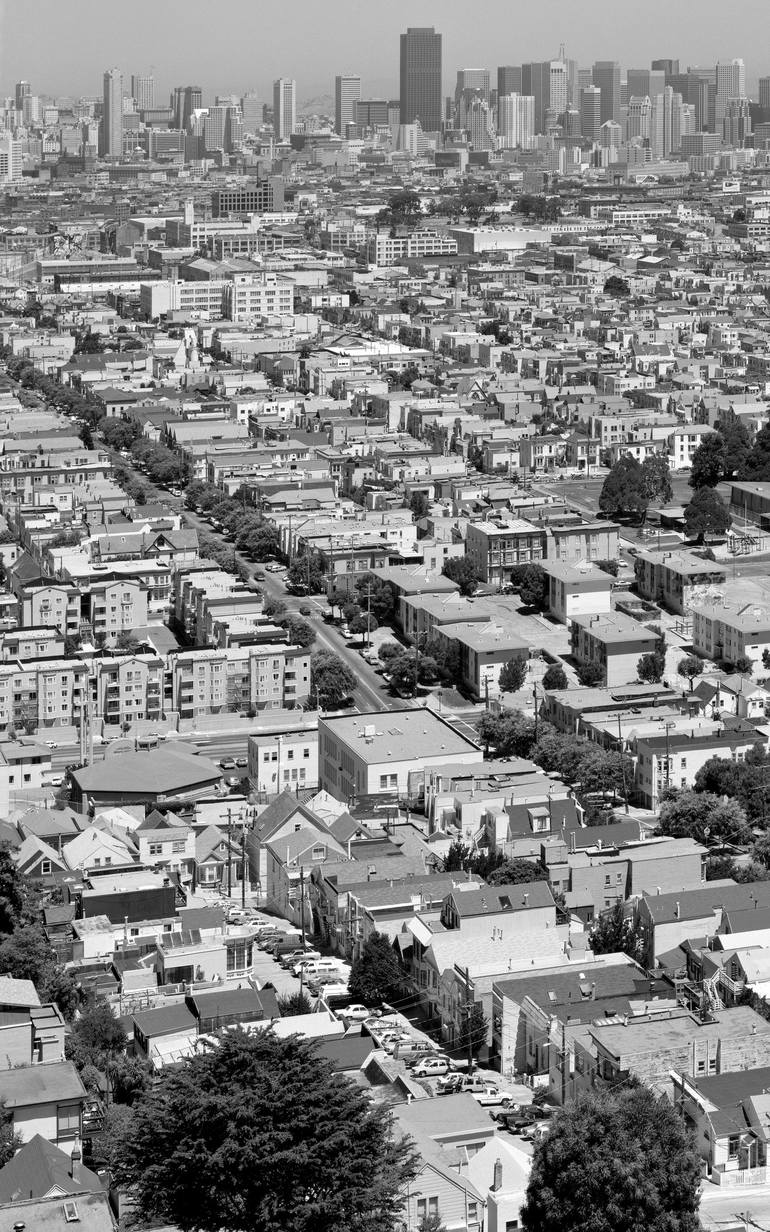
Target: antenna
{"x":562,"y":52}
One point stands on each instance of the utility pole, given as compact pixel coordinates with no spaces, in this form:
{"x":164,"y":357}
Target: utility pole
{"x":468,"y":1011}
{"x":243,"y":865}
{"x":563,"y":1063}
{"x":229,"y":852}
{"x":302,"y":902}
{"x":622,"y":763}
{"x":534,"y":697}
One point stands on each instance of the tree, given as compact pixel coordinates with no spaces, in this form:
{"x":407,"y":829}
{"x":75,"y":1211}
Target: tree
{"x":461,"y":569}
{"x":96,"y":1035}
{"x":259,"y":542}
{"x":706,"y":514}
{"x":737,"y":442}
{"x":650,"y":668}
{"x":197,"y":1146}
{"x":656,"y":479}
{"x":616,"y":1161}
{"x":12,"y":893}
{"x":10,"y":1139}
{"x":27,"y":955}
{"x":419,"y":505}
{"x":276,"y":609}
{"x":375,"y":975}
{"x":129,"y":1078}
{"x":407,"y":670}
{"x":300,"y":632}
{"x":757,"y":464}
{"x":708,"y":462}
{"x":512,"y":675}
{"x":532,"y":584}
{"x":555,"y":677}
{"x":623,"y":490}
{"x":744,"y":665}
{"x":294,"y":1003}
{"x":510,"y":733}
{"x":589,"y":674}
{"x":331,"y":680}
{"x":377,"y":596}
{"x":517,"y":871}
{"x":389,"y":651}
{"x":705,"y":817}
{"x":306,"y":571}
{"x":617,"y":287}
{"x":614,"y":933}
{"x":473,"y":1029}
{"x":608,"y":566}
{"x":690,"y":668}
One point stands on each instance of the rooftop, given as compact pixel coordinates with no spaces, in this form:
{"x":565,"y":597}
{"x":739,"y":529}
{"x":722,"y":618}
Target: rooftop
{"x":400,"y":735}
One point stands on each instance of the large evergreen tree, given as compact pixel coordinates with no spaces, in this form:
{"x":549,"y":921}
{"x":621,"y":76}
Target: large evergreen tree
{"x":706,"y":514}
{"x":708,"y":462}
{"x":618,"y":1161}
{"x":623,"y":491}
{"x":258,"y":1132}
{"x":375,"y":974}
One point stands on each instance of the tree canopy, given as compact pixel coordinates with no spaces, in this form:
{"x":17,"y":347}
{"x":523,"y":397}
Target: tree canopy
{"x":531,"y":583}
{"x":709,"y":462}
{"x":656,"y":479}
{"x":624,"y":491}
{"x":616,"y":1161}
{"x":555,"y":677}
{"x":701,"y":815}
{"x":461,"y":569}
{"x":331,"y":680}
{"x":513,"y":675}
{"x":258,"y":1132}
{"x":706,"y":514}
{"x":689,"y":668}
{"x":375,"y":975}
{"x":510,"y":733}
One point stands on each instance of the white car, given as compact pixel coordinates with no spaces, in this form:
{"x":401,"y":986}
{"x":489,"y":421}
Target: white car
{"x":490,"y":1095}
{"x":52,"y":744}
{"x":433,"y":1067}
{"x":356,"y":1013}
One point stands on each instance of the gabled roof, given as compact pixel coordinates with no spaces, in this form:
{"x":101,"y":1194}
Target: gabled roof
{"x":500,"y":899}
{"x":40,"y":1167}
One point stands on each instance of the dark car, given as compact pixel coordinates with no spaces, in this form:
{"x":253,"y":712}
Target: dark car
{"x":516,"y":1119}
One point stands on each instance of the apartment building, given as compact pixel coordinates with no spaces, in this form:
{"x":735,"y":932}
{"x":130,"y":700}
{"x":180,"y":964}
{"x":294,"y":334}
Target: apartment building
{"x":673,"y":759}
{"x":128,"y":688}
{"x":676,"y":579}
{"x":115,"y":605}
{"x":614,"y":642}
{"x":385,"y":249}
{"x":724,"y":630}
{"x":263,"y":677}
{"x":54,"y":604}
{"x":42,"y":693}
{"x":495,"y":547}
{"x":576,"y":592}
{"x":23,"y":474}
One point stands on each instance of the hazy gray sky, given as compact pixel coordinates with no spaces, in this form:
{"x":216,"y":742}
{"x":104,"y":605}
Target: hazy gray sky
{"x":63,"y":46}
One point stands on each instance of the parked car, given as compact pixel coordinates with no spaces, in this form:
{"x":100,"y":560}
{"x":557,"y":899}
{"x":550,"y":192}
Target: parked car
{"x":296,"y":955}
{"x":452,"y":1084}
{"x":227,"y":763}
{"x":355,"y":1012}
{"x":241,"y":762}
{"x":490,"y":1094}
{"x":431,"y":1067}
{"x":515,"y":1119}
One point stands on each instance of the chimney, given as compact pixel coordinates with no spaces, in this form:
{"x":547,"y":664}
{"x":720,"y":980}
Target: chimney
{"x":497,"y":1182}
{"x":75,"y":1161}
{"x":677,"y":910}
{"x":593,"y":992}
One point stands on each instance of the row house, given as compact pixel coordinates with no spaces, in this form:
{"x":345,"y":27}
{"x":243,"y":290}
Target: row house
{"x":24,"y":474}
{"x":128,"y":688}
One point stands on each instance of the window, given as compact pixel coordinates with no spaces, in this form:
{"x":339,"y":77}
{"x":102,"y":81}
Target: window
{"x":733,"y":1144}
{"x":178,"y":847}
{"x":45,"y":867}
{"x":156,"y":849}
{"x":68,"y":1120}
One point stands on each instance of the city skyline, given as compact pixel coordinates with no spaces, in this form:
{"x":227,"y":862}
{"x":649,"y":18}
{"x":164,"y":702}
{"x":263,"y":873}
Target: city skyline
{"x":343,"y":39}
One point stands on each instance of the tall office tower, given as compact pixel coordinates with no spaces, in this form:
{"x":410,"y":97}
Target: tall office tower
{"x":669,"y":67}
{"x":610,"y":135}
{"x":372,"y":113}
{"x":591,"y":112}
{"x":252,"y":110}
{"x":30,"y":111}
{"x":606,"y":75}
{"x":143,"y":91}
{"x":284,"y":107}
{"x":558,"y":86}
{"x":585,"y":78}
{"x":571,"y":122}
{"x":643,"y":81}
{"x":184,"y":101}
{"x":472,"y":79}
{"x":546,"y":82}
{"x":508,"y":79}
{"x":516,"y":121}
{"x":23,"y":88}
{"x":479,"y":122}
{"x":347,"y":92}
{"x":638,"y":119}
{"x":112,"y":114}
{"x":736,"y":124}
{"x":214,"y":126}
{"x":764,"y":95}
{"x":730,"y":83}
{"x":420,"y":78}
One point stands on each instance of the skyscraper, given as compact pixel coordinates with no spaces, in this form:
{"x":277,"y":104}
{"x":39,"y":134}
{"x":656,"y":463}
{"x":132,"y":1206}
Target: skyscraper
{"x":23,"y":88}
{"x":508,"y":79}
{"x":347,"y":92}
{"x":420,"y":78}
{"x":606,"y":75}
{"x":472,"y":79}
{"x":284,"y":107}
{"x":143,"y":91}
{"x":591,"y":112}
{"x":764,"y":95}
{"x":184,"y":101}
{"x":112,"y":114}
{"x":731,"y":83}
{"x":516,"y":120}
{"x":252,"y":111}
{"x":643,"y":81}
